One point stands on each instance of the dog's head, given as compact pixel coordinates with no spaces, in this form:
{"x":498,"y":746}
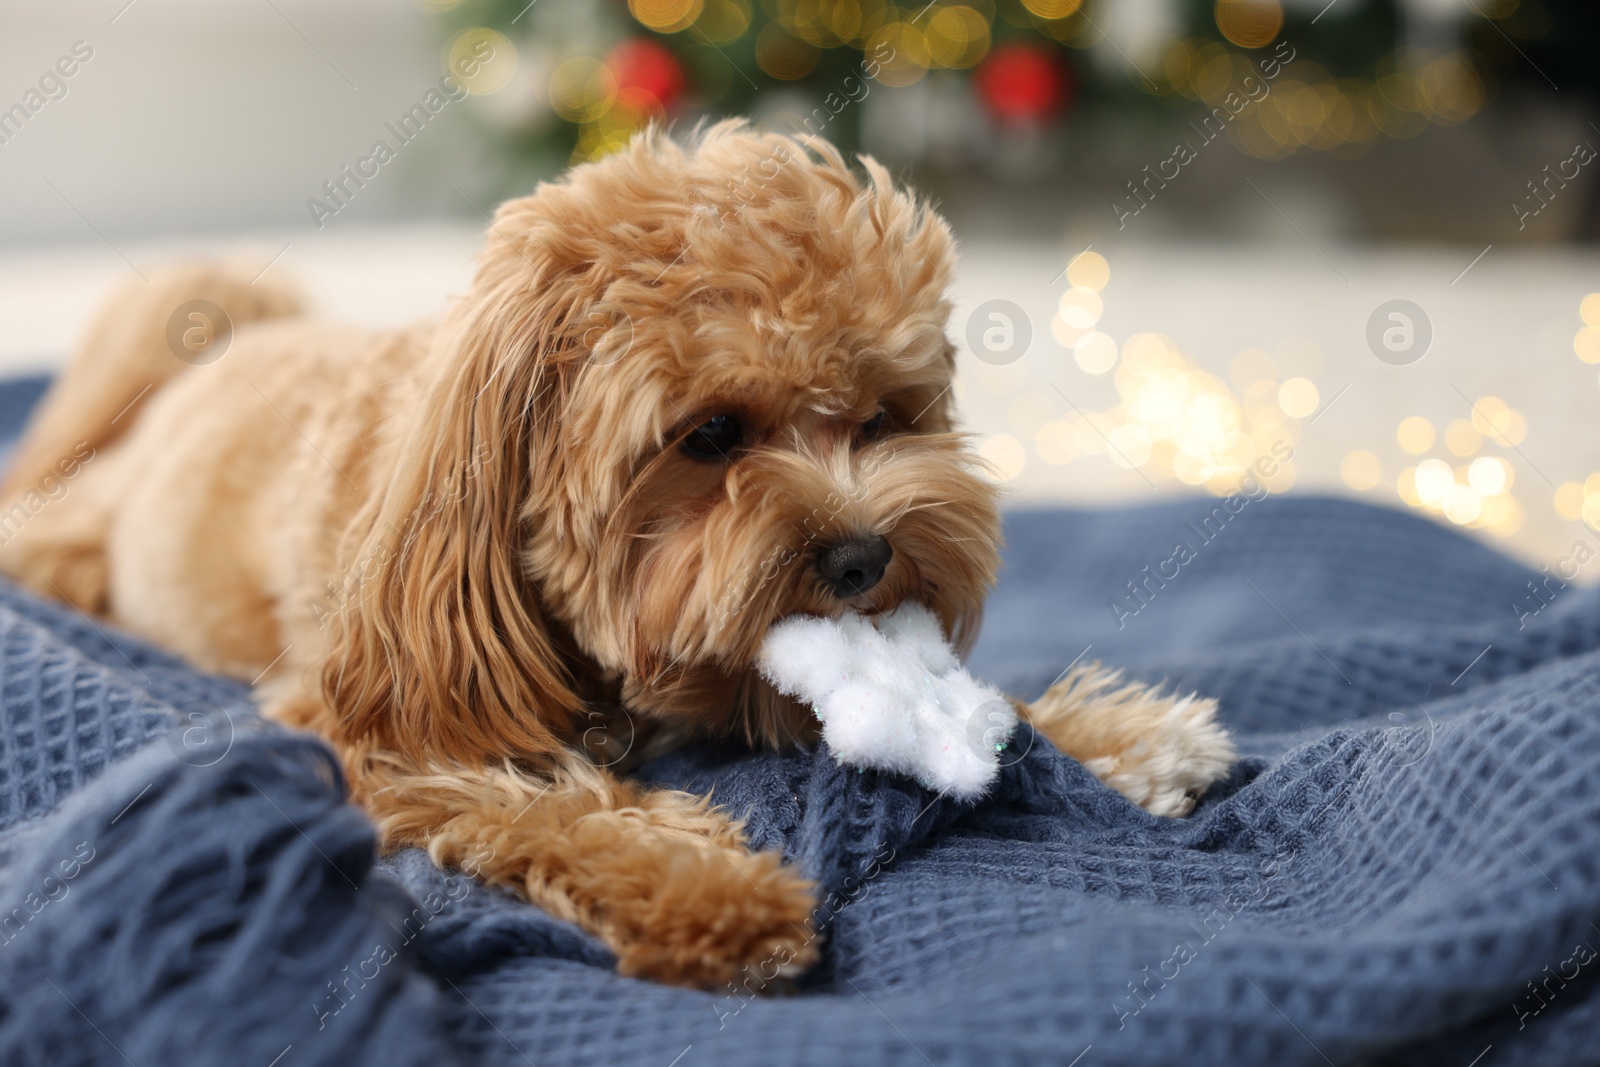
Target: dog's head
{"x":691,"y":392}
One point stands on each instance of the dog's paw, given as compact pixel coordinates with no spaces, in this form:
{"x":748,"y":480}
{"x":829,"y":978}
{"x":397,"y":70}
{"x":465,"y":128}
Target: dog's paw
{"x":717,"y":917}
{"x":1182,"y":750}
{"x":1161,"y":751}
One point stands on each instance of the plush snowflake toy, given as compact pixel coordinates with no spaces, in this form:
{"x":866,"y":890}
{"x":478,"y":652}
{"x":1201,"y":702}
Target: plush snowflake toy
{"x":891,"y":695}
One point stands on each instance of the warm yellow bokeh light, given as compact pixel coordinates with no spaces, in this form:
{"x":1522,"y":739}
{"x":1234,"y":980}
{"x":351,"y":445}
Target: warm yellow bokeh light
{"x":609,"y":133}
{"x":907,"y":50}
{"x":1569,"y":501}
{"x":1089,"y":270}
{"x":1004,"y":455}
{"x":1461,"y":438}
{"x":1173,"y":419}
{"x":666,"y":16}
{"x":482,"y":60}
{"x":1406,"y":486}
{"x":1462,"y":505}
{"x":783,"y":55}
{"x":1434,"y":480}
{"x":1052,"y":9}
{"x":1587,"y":344}
{"x":1249,"y":23}
{"x":958,"y":37}
{"x":1450,"y":89}
{"x":1095,"y":353}
{"x":582,"y":89}
{"x":1361,"y":470}
{"x":1489,"y":475}
{"x":1589,"y":309}
{"x":1081,"y":307}
{"x":1311,"y":108}
{"x":1065,"y":335}
{"x":1298,"y":397}
{"x":1415,"y":435}
{"x":1499,"y":422}
{"x":1146,"y":353}
{"x":1502,"y":514}
{"x":723,"y":21}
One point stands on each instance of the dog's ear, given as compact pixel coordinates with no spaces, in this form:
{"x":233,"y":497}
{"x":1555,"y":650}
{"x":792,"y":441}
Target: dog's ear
{"x":446,"y":649}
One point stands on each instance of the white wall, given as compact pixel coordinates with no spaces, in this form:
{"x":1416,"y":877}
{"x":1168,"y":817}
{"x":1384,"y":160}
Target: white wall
{"x":205,"y":115}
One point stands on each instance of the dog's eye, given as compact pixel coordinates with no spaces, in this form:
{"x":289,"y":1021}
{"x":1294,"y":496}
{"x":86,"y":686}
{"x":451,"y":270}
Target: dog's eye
{"x":873,"y":428}
{"x":715,"y":438}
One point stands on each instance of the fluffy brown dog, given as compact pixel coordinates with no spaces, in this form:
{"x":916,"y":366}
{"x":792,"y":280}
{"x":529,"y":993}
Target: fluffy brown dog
{"x":690,"y":392}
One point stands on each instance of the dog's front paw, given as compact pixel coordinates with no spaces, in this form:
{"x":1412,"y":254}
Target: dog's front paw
{"x":1182,"y":751}
{"x":714,"y":916}
{"x":1161,"y":751}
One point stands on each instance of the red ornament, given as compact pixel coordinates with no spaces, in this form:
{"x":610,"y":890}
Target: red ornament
{"x":1021,"y":83}
{"x":649,"y":78}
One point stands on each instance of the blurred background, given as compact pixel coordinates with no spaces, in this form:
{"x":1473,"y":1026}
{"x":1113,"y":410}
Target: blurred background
{"x":1195,"y":232}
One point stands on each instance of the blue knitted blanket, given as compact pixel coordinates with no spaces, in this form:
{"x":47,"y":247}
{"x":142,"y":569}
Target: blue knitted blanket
{"x":1405,"y":867}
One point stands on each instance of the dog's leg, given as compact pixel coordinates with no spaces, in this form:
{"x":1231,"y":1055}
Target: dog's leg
{"x":61,"y":554}
{"x":129,"y":353}
{"x":1161,"y":751}
{"x":56,"y":545}
{"x":662,"y":877}
{"x":61,"y":490}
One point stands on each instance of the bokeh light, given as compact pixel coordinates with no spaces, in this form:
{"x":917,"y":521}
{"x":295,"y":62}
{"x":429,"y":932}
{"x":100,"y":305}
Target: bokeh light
{"x":1462,"y":438}
{"x":1089,"y":270}
{"x":1249,"y":23}
{"x":722,"y":22}
{"x":1081,"y":307}
{"x":1586,"y":343}
{"x":1568,"y":501}
{"x":1489,"y":475}
{"x":958,"y":37}
{"x":1415,"y":435}
{"x":1021,"y":83}
{"x":666,"y":16}
{"x":582,"y":89}
{"x":907,"y":52}
{"x":1475,"y":494}
{"x":1176,"y":421}
{"x":1498,"y":421}
{"x":1005,"y":456}
{"x":482,"y":59}
{"x":1095,"y":353}
{"x":1052,"y":9}
{"x":1298,"y":397}
{"x":783,"y":55}
{"x":1361,"y":470}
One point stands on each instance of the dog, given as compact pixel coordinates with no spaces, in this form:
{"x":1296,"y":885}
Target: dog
{"x":692,"y":389}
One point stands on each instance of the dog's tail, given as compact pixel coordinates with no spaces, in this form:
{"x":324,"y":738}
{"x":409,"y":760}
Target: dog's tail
{"x":145,"y":335}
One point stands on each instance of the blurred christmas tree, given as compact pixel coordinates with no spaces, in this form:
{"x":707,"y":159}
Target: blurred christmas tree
{"x":948,"y":81}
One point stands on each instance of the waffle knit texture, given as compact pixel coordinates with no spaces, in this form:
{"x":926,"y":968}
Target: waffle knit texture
{"x":1405,"y":867}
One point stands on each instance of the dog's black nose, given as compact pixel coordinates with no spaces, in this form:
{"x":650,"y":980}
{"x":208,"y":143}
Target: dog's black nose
{"x":852,"y":567}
